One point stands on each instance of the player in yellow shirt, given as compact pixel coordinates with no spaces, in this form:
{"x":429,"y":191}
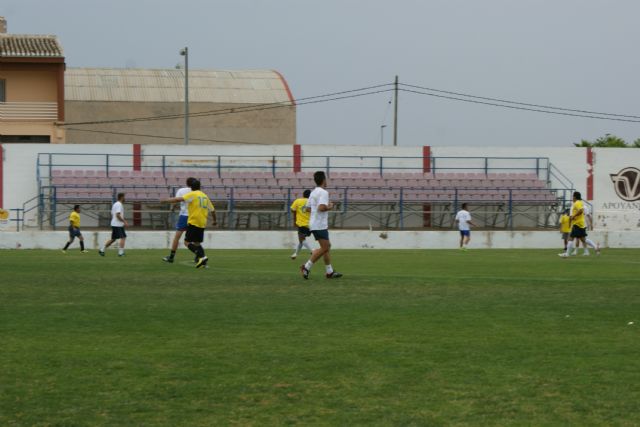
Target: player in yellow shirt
{"x":198,"y":208}
{"x":301,"y":219}
{"x":74,"y":230}
{"x":578,"y":228}
{"x":565,"y":227}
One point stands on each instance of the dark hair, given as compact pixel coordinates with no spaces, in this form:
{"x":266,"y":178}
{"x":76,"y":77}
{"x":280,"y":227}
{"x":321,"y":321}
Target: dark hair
{"x":566,"y":211}
{"x":306,"y":194}
{"x":120,"y":196}
{"x":319,"y":177}
{"x":76,"y":207}
{"x":195,"y":184}
{"x":577,"y":195}
{"x":464,"y":206}
{"x":190,"y":181}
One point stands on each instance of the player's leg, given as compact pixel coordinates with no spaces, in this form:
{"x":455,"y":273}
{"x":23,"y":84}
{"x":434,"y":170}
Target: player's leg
{"x":174,"y":246}
{"x":467,"y":239}
{"x":71,"y":238}
{"x":81,"y":239}
{"x":461,"y":239}
{"x":106,"y":244}
{"x":123,"y":241}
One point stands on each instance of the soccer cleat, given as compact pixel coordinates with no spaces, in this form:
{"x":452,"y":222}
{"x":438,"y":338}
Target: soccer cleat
{"x":202,"y":262}
{"x":586,"y":254}
{"x":167,"y":259}
{"x":597,"y":248}
{"x":64,"y":251}
{"x":120,"y":255}
{"x":195,"y":260}
{"x":84,"y":252}
{"x":304,"y":272}
{"x":563,"y":255}
{"x":101,"y":253}
{"x":294,"y":255}
{"x":334,"y":275}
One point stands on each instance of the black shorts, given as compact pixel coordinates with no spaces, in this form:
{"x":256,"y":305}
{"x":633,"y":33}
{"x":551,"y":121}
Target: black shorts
{"x":320,"y":234}
{"x":74,"y":232}
{"x":194,"y":234}
{"x":118,"y":233}
{"x":578,"y":232}
{"x":304,"y":231}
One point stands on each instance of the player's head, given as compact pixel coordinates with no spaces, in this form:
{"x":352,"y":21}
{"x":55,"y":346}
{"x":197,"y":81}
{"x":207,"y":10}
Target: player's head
{"x":566,"y":211}
{"x":577,"y":195}
{"x":121,"y":197}
{"x":319,"y":178}
{"x":464,"y":206}
{"x":76,"y":208}
{"x":195,"y":185}
{"x":306,"y":194}
{"x":190,"y":181}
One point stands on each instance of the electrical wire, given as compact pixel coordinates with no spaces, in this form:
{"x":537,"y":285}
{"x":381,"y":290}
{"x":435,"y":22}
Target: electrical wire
{"x":162,"y":136}
{"x":519,"y":103}
{"x":513,"y":107}
{"x":258,"y":107}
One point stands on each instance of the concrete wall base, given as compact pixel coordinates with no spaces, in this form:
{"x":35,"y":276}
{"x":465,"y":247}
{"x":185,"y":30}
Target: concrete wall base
{"x":341,"y":239}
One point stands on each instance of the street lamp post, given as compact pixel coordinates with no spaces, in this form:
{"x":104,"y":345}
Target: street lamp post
{"x":382,"y":134}
{"x":185,"y":52}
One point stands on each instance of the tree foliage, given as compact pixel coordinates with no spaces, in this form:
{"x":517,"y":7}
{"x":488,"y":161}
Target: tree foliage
{"x":608,"y":141}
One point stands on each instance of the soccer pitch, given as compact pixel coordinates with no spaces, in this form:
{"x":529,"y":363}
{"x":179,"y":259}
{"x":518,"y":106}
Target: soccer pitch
{"x":483,"y":337}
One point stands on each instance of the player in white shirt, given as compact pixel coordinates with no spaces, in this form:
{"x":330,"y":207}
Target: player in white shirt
{"x":463,"y":219}
{"x":118,"y":223}
{"x":319,"y":206}
{"x":181,"y":224}
{"x":590,"y":243}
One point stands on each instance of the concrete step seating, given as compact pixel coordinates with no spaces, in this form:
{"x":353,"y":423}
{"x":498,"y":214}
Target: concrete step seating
{"x":355,"y":187}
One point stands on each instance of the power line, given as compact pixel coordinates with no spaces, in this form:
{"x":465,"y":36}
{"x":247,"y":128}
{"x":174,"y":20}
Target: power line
{"x":258,"y":107}
{"x":537,"y":110}
{"x":162,"y":136}
{"x":519,"y":103}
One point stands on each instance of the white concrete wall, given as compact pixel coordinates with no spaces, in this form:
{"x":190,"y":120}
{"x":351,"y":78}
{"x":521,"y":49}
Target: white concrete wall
{"x":341,"y":239}
{"x":611,"y":212}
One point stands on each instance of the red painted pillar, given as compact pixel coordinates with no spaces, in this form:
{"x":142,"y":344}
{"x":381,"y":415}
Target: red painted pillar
{"x":426,"y":168}
{"x":589,"y":173}
{"x":1,"y":177}
{"x":137,"y":166}
{"x":297,"y":158}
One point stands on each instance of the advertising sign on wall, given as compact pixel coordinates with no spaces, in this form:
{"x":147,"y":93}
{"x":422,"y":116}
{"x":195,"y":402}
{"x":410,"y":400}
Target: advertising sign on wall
{"x":617,"y":188}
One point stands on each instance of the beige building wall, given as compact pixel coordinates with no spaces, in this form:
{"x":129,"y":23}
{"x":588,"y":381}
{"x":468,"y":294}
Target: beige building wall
{"x":267,"y":126}
{"x":30,"y":86}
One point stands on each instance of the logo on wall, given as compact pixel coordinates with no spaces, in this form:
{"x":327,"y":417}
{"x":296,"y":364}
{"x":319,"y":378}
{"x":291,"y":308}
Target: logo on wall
{"x":627,"y":184}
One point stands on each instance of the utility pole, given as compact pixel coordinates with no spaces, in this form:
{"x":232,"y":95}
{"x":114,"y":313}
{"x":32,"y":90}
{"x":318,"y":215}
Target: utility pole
{"x":185,"y":52}
{"x":395,"y":115}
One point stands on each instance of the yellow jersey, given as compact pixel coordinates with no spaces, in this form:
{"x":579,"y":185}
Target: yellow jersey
{"x":74,"y":219}
{"x":302,"y":216}
{"x":579,"y":219}
{"x":565,"y":224}
{"x":198,"y":207}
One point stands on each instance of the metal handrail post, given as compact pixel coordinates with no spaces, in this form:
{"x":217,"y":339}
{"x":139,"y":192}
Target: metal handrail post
{"x":107,"y":164}
{"x":511,"y":209}
{"x":381,"y":165}
{"x":401,"y":208}
{"x":273,"y":166}
{"x":219,"y":166}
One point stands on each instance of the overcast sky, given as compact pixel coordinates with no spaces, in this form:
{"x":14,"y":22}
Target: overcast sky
{"x":580,"y":54}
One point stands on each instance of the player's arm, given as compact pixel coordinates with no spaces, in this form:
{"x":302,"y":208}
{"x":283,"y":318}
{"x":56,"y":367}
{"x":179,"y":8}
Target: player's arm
{"x":577,"y":213}
{"x":324,"y":205}
{"x":172,"y":200}
{"x":121,"y":219}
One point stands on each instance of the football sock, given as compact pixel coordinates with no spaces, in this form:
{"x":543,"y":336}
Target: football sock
{"x":308,"y":265}
{"x":102,"y":249}
{"x":306,"y":245}
{"x":298,"y":248}
{"x":569,"y":247}
{"x":329,"y":268}
{"x":120,"y":251}
{"x":173,"y":254}
{"x":192,"y":248}
{"x":200,"y":251}
{"x":590,"y":243}
{"x":81,"y":245}
{"x":66,"y":246}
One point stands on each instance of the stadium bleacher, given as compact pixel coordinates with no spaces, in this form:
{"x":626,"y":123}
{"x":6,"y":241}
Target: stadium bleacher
{"x":350,"y":187}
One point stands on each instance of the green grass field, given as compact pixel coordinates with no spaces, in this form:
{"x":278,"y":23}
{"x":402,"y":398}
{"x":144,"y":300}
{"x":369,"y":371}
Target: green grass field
{"x":491,"y":337}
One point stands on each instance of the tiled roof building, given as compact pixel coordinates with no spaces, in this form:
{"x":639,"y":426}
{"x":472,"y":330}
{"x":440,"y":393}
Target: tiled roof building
{"x":30,"y":46}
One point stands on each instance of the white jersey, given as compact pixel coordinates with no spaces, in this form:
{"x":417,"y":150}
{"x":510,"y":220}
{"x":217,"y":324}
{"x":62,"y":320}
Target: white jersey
{"x":117,"y":208}
{"x":463,"y":217}
{"x":318,"y":220}
{"x":183,"y":205}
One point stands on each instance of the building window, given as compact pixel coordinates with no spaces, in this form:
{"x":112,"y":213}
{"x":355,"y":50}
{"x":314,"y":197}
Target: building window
{"x":2,"y":90}
{"x":22,"y":139}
